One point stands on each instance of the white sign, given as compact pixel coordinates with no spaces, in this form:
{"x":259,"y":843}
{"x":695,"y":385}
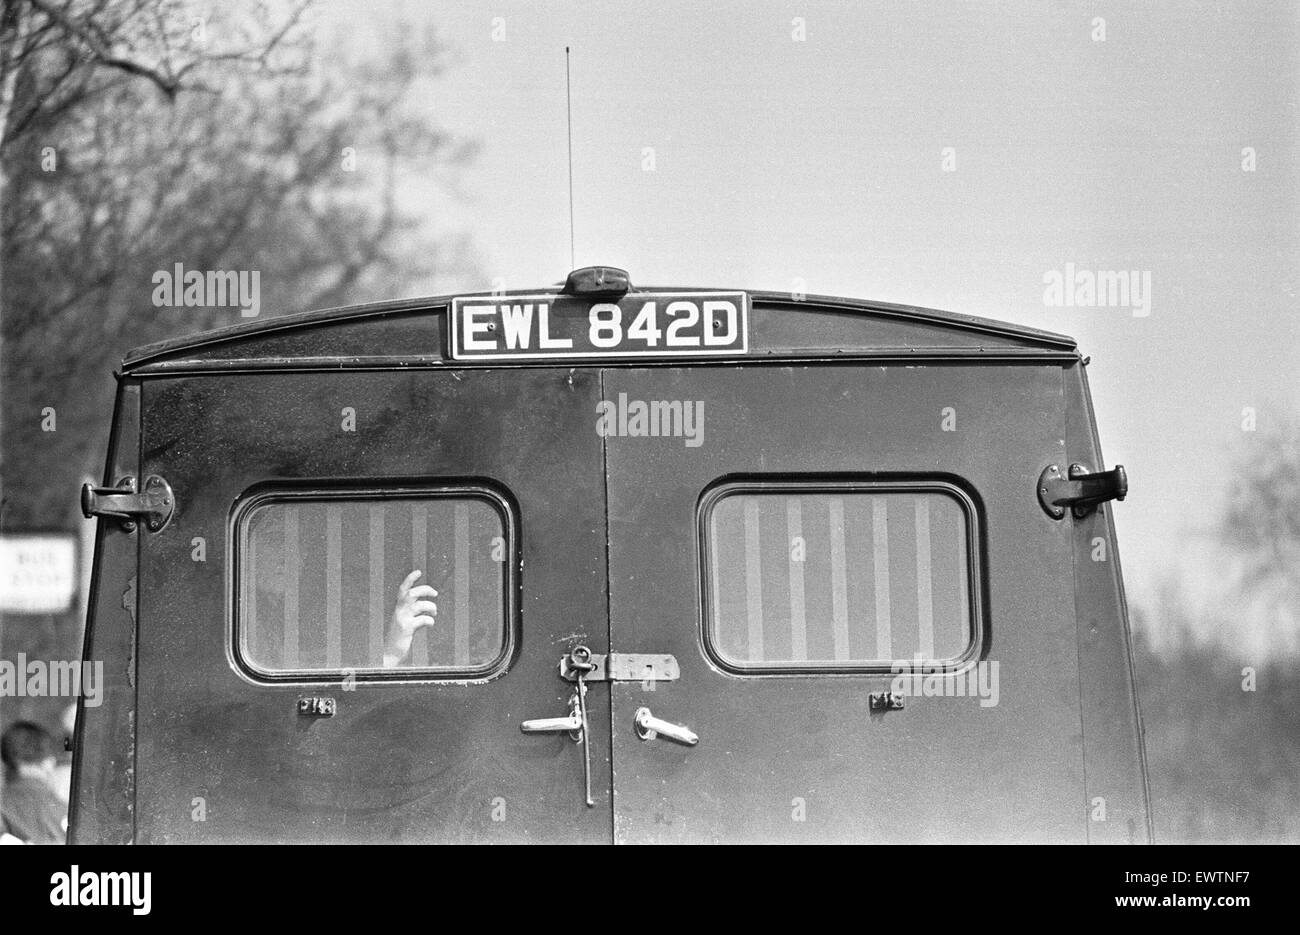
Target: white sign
{"x":639,"y":324}
{"x":38,"y":573}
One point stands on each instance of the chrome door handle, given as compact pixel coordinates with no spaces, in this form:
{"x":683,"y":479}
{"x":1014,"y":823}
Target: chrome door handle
{"x":648,"y":727}
{"x":552,"y":725}
{"x":572,"y":724}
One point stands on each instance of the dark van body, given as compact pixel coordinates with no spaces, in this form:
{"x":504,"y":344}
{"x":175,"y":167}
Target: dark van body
{"x":815,"y":569}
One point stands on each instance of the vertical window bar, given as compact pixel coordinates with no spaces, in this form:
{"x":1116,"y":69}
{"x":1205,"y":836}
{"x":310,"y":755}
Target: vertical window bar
{"x":713,"y":561}
{"x":839,"y":582}
{"x":880,"y":549}
{"x":753,"y":581}
{"x":924,"y":584}
{"x":460,"y":573}
{"x":798,"y":620}
{"x":292,"y":562}
{"x":378,"y":599}
{"x":248,"y":593}
{"x":419,"y":655}
{"x":333,"y":586}
{"x":963,"y":587}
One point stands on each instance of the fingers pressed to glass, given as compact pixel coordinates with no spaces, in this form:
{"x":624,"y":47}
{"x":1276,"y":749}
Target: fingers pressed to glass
{"x":423,"y":590}
{"x":425,"y":607}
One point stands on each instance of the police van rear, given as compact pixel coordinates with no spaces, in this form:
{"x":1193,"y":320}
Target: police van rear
{"x":710,"y":565}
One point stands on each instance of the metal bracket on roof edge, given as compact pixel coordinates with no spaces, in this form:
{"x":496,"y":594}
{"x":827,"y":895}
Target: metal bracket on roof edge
{"x":127,"y":502}
{"x":1080,"y":490}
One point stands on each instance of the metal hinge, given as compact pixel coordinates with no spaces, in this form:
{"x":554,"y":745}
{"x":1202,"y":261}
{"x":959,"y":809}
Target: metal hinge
{"x":127,"y":503}
{"x":621,"y":667}
{"x":885,"y":701}
{"x":1081,"y":490}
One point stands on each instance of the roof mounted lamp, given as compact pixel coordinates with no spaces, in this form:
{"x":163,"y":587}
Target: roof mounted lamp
{"x":594,"y":281}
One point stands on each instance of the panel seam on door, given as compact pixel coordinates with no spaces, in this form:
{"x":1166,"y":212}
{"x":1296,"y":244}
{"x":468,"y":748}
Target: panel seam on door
{"x":1078,"y":635}
{"x":136,"y":641}
{"x":609,"y":618}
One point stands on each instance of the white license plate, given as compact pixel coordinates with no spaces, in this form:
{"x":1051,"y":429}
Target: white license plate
{"x":641,"y":324}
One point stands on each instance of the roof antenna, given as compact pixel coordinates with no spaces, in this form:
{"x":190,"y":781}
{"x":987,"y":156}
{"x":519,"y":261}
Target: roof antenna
{"x":568,"y":100}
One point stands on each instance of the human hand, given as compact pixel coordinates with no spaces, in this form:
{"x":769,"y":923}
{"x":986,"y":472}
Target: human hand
{"x":414,"y":609}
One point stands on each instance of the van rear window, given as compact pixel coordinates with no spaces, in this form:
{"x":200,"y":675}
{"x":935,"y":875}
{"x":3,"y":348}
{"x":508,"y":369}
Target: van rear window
{"x":839,"y":577}
{"x":318,"y":578}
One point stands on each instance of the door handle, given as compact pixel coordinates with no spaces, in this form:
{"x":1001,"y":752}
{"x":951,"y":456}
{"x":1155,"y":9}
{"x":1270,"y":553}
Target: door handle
{"x":552,"y":725}
{"x":648,"y":727}
{"x":570,"y":724}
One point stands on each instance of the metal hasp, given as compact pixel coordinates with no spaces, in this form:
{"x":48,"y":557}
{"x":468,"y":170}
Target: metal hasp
{"x":317,"y":706}
{"x":622,"y":667}
{"x":1081,"y":490}
{"x":885,"y":701}
{"x":125,"y":502}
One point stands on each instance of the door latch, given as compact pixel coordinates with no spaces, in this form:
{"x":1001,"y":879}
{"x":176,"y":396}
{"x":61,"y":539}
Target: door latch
{"x":885,"y":701}
{"x":575,"y":723}
{"x":127,"y":503}
{"x":317,"y":706}
{"x":1079,"y":489}
{"x":619,"y":667}
{"x":580,"y":665}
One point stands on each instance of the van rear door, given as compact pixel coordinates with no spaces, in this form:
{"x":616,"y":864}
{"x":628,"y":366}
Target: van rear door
{"x":831,"y":519}
{"x":303,"y":499}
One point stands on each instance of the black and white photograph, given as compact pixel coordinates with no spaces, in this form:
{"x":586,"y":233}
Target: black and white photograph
{"x":493,"y":422}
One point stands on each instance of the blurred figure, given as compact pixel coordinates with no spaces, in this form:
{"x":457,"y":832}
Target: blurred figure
{"x":63,"y":752}
{"x":31,"y":809}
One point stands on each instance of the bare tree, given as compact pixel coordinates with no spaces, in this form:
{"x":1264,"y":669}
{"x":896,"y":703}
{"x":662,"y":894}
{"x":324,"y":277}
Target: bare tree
{"x":1218,"y":679}
{"x":1262,"y":520}
{"x":143,"y":135}
{"x":58,"y":57}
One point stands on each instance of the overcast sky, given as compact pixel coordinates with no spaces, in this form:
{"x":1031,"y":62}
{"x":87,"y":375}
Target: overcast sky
{"x":823,"y":160}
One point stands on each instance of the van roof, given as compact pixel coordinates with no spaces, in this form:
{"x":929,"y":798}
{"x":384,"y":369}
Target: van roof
{"x":926,"y":329}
